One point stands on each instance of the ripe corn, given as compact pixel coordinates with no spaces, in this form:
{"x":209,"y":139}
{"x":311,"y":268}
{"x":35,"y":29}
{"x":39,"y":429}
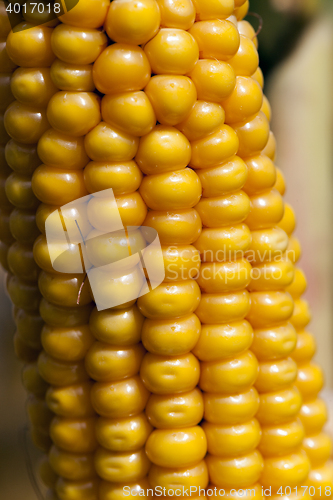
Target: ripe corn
{"x":228,"y":368}
{"x":118,"y":396}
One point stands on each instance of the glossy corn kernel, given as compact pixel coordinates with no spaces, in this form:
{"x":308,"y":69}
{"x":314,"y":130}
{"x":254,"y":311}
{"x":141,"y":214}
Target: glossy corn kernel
{"x":123,"y":19}
{"x":89,"y":14}
{"x":30,"y":46}
{"x":130,"y":65}
{"x":75,"y":45}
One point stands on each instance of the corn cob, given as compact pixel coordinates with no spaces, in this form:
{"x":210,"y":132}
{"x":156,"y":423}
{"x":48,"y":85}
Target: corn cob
{"x":190,"y":111}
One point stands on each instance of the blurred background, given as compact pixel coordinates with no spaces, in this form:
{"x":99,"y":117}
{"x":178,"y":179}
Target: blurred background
{"x":296,"y":56}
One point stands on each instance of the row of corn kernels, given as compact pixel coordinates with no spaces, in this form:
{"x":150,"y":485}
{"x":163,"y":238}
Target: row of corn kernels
{"x":252,"y":136}
{"x":228,"y":368}
{"x":18,"y":258}
{"x":34,"y":85}
{"x":66,"y":333}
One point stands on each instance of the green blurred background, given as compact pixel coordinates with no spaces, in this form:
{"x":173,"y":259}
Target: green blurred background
{"x":296,"y":55}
